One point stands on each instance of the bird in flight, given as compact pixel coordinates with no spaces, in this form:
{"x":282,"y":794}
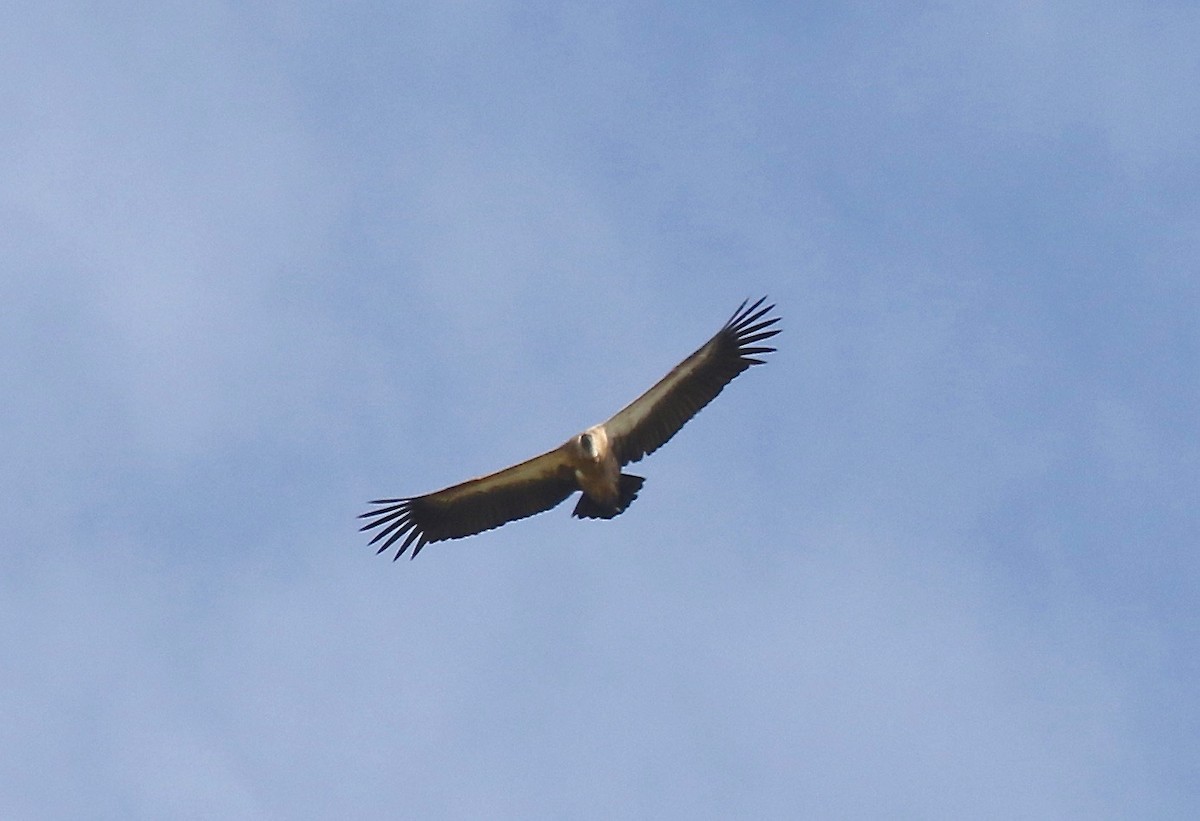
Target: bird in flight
{"x":590,"y":461}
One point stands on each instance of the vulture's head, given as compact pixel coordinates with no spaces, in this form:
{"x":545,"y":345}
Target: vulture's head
{"x":587,"y":445}
{"x":592,"y":444}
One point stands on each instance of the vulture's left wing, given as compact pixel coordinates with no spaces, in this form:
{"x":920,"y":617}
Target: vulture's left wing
{"x":648,"y":422}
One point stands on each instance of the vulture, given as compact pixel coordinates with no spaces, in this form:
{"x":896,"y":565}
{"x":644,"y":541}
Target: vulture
{"x":591,"y":461}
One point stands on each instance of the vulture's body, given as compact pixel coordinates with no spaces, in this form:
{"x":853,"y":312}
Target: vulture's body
{"x":590,"y":462}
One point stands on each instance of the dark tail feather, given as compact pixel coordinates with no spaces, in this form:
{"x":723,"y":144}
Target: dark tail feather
{"x":629,"y":486}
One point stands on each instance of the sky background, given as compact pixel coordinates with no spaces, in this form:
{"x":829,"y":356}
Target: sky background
{"x":261,"y":263}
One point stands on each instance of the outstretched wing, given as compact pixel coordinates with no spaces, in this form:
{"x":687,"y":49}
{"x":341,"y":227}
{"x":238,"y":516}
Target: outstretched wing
{"x":475,"y":505}
{"x":648,"y":422}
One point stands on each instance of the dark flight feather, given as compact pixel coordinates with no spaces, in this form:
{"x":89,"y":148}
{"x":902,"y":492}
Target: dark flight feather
{"x":649,"y":422}
{"x":473,"y":506}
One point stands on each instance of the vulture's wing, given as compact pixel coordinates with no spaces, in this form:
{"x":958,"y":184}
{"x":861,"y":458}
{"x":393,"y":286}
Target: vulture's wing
{"x":475,"y":505}
{"x":648,"y":422}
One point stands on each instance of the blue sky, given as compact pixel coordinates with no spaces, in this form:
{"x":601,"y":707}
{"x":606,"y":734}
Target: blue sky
{"x":938,"y":559}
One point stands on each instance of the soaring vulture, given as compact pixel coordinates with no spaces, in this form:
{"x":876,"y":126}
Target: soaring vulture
{"x":590,"y":461}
